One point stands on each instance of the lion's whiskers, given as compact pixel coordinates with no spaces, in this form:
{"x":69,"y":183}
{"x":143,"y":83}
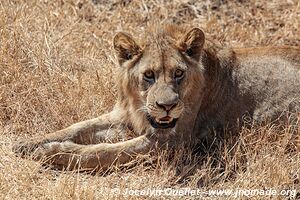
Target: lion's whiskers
{"x":142,"y":109}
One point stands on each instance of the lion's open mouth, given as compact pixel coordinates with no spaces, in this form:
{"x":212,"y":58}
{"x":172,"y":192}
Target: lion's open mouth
{"x":163,"y":123}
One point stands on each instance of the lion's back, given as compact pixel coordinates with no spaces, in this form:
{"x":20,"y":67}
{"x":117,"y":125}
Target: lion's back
{"x":272,"y":77}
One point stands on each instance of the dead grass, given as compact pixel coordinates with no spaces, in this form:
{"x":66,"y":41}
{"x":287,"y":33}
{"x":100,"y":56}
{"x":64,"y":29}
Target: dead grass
{"x":57,"y":68}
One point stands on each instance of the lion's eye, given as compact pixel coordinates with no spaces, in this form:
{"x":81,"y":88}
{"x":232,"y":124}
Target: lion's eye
{"x":149,"y":75}
{"x":179,"y":73}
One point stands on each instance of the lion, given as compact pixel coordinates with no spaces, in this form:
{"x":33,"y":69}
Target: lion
{"x":176,"y":87}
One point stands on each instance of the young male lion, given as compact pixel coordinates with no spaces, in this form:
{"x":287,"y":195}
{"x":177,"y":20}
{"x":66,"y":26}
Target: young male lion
{"x":176,"y":87}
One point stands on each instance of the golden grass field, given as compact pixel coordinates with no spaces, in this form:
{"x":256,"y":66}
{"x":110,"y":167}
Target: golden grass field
{"x":57,"y":68}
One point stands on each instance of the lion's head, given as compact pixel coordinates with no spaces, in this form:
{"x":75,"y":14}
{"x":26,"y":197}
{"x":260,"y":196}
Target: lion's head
{"x":161,"y":78}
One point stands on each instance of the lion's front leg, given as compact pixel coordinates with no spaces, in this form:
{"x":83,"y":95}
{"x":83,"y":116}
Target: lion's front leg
{"x":93,"y":131}
{"x":69,"y":155}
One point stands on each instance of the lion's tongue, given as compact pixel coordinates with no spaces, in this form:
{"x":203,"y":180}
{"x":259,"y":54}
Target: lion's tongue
{"x":166,"y":118}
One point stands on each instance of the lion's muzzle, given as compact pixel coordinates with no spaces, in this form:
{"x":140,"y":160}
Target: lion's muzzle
{"x":164,"y":106}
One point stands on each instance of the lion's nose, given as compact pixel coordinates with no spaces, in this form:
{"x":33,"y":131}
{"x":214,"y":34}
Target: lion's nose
{"x":167,"y":105}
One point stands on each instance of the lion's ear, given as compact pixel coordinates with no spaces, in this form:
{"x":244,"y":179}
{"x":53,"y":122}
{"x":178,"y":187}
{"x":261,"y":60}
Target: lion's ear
{"x":125,"y":47}
{"x":192,"y":43}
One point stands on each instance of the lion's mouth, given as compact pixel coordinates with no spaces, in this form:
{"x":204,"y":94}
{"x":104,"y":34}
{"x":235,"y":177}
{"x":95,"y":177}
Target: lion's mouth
{"x":163,"y":123}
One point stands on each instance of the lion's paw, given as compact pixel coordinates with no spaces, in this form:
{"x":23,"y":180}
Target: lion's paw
{"x":35,"y":150}
{"x":24,"y":148}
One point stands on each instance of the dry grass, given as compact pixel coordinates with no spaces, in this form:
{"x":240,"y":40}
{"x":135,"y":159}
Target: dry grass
{"x":57,"y":68}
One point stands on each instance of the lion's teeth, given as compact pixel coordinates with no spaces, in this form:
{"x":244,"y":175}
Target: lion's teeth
{"x":164,"y":122}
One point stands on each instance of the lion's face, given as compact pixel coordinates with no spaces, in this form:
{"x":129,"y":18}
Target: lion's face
{"x":163,"y":73}
{"x":160,"y":86}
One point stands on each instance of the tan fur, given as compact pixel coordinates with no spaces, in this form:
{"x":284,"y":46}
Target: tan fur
{"x":176,"y":74}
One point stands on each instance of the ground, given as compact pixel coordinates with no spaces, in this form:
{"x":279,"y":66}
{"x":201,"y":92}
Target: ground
{"x":57,"y":68}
